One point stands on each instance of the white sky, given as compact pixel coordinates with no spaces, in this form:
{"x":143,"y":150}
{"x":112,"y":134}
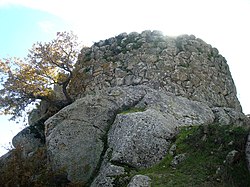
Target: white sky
{"x":222,"y":23}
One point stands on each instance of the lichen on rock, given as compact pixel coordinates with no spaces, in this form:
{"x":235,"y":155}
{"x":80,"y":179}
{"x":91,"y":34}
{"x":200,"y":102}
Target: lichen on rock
{"x":183,"y":65}
{"x":133,"y":93}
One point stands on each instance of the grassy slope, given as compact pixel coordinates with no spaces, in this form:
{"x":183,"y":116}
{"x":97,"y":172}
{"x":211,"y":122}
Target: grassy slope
{"x":206,"y":149}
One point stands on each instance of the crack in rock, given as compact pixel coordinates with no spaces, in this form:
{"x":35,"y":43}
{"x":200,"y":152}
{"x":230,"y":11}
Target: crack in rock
{"x":85,"y":139}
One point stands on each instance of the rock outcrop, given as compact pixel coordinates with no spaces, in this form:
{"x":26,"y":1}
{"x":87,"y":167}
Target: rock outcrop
{"x":76,"y":136}
{"x":140,"y":181}
{"x":29,"y":139}
{"x":132,"y":94}
{"x":124,"y":127}
{"x":120,"y":127}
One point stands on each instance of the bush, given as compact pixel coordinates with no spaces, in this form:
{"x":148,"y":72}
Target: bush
{"x":33,"y":170}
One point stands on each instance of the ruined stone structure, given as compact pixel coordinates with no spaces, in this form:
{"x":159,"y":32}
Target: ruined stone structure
{"x":183,"y":65}
{"x":132,"y":93}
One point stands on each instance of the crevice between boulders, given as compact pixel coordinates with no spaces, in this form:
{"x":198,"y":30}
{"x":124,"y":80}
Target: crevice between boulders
{"x":104,"y":139}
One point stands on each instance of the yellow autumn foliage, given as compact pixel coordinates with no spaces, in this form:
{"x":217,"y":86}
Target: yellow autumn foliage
{"x":23,"y":81}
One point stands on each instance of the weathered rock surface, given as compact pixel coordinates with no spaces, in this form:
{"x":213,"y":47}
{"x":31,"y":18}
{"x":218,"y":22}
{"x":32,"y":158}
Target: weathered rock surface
{"x":93,"y":138}
{"x":29,"y":140}
{"x":132,"y":93}
{"x":140,"y":181}
{"x":228,"y":116}
{"x":184,"y":65}
{"x":76,"y":136}
{"x":178,"y":159}
{"x":109,"y":173}
{"x":141,"y":139}
{"x":185,"y":111}
{"x":34,"y":116}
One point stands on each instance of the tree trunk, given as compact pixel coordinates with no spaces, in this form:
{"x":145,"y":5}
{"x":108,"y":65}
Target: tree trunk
{"x":64,"y":88}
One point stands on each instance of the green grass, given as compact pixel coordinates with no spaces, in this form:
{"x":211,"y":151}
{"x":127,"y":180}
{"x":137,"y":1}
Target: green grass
{"x":132,"y":110}
{"x":206,"y":149}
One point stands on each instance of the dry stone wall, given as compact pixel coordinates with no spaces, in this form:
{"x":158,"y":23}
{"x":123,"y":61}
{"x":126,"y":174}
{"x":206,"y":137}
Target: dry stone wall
{"x":135,"y":91}
{"x":184,"y":65}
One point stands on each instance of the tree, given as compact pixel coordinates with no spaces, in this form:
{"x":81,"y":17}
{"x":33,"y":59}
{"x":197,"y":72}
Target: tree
{"x":26,"y":81}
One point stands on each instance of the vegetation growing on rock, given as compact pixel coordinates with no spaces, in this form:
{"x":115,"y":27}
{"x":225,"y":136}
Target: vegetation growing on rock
{"x":206,"y":149}
{"x":132,"y":94}
{"x":206,"y":162}
{"x":48,"y":64}
{"x":32,"y":171}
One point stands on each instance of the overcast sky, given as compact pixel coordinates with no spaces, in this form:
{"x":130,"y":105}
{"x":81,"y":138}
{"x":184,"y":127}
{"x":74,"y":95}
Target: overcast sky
{"x":222,"y":23}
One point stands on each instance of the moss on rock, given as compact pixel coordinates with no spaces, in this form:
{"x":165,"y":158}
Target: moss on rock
{"x":206,"y":148}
